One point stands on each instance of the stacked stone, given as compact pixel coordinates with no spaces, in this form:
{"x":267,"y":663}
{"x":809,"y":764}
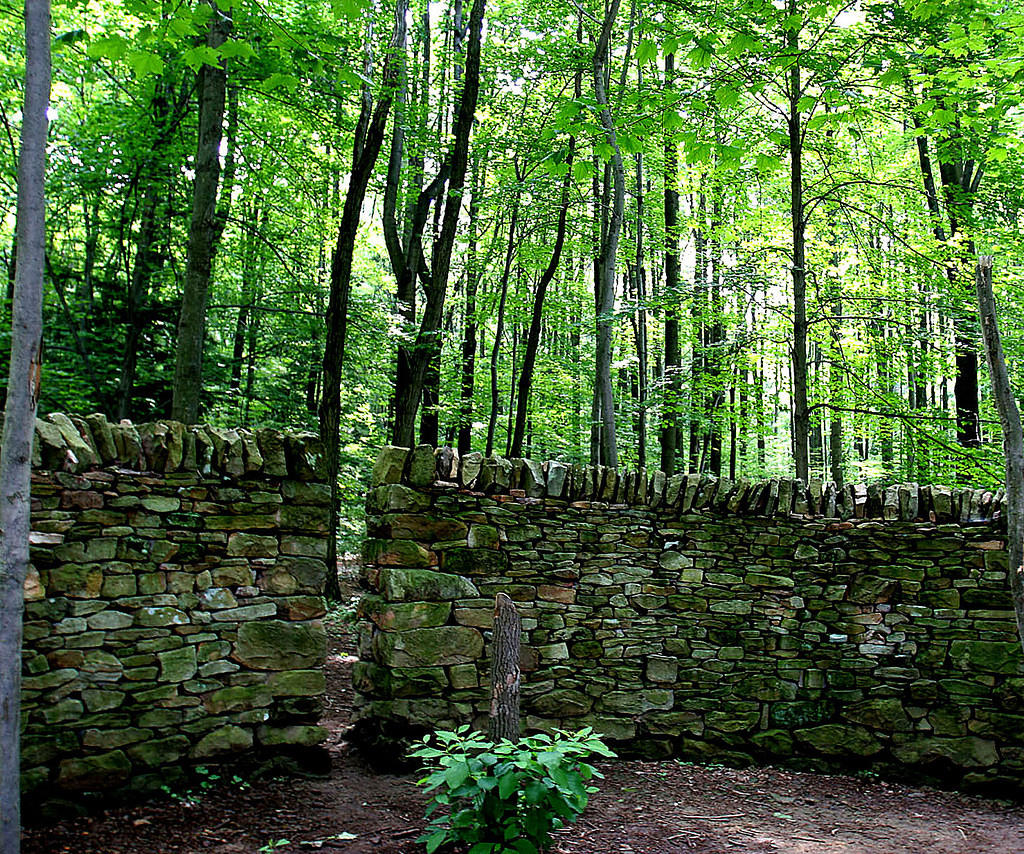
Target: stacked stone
{"x":173,"y":603}
{"x":688,"y":616}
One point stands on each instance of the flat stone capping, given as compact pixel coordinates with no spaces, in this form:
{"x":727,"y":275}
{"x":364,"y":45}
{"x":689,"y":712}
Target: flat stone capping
{"x":424,"y":466}
{"x":72,"y":443}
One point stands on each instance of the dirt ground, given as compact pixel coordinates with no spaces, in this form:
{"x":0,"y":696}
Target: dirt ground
{"x":642,"y":807}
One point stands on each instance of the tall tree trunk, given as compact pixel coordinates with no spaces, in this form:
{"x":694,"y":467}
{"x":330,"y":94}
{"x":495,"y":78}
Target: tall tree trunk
{"x":23,"y":378}
{"x":469,"y":333}
{"x":366,"y":148}
{"x":453,"y":170}
{"x":609,"y":247}
{"x":499,"y":330}
{"x":641,"y":315}
{"x":801,"y":417}
{"x":698,"y":311}
{"x":533,"y":336}
{"x":203,"y":232}
{"x":1013,"y":440}
{"x":670,"y":433}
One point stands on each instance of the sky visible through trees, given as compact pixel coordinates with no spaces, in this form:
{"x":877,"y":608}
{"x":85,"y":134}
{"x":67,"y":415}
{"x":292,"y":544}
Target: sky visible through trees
{"x":738,"y":239}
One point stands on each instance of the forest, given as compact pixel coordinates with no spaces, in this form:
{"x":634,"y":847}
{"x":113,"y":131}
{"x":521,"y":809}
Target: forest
{"x":739,"y":239}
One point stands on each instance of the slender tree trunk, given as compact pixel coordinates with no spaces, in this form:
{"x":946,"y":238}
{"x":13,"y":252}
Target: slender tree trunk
{"x":533,"y":336}
{"x":23,"y":378}
{"x":147,"y":259}
{"x":801,"y":417}
{"x":1013,"y":440}
{"x":641,"y":318}
{"x":203,"y":231}
{"x":698,"y":311}
{"x":499,"y":330}
{"x":673,"y":376}
{"x":453,"y":171}
{"x":469,"y":335}
{"x":367,"y":145}
{"x":609,"y":247}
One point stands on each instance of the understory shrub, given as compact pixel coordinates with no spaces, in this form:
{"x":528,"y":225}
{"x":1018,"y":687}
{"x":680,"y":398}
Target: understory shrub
{"x":505,"y":797}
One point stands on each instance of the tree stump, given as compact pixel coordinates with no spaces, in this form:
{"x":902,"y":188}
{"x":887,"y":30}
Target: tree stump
{"x":504,"y":716}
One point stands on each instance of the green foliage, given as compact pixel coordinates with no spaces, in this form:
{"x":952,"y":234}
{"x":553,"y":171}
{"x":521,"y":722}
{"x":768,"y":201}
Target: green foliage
{"x":505,"y":797}
{"x":204,"y":781}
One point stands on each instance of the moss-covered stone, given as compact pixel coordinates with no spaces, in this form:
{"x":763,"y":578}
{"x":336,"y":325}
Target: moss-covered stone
{"x":177,"y":665}
{"x":423,"y":585}
{"x":429,"y":647}
{"x":280,"y":645}
{"x":225,"y":739}
{"x":91,"y":773}
{"x":839,"y":740}
{"x":401,"y":616}
{"x":987,"y":656}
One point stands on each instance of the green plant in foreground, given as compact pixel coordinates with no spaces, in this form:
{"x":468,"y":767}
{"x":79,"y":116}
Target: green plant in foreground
{"x":505,"y":797}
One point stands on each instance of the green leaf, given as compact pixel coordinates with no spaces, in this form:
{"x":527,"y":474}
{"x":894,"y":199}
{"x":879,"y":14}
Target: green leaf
{"x":349,"y":9}
{"x":646,"y":51}
{"x":671,"y":120}
{"x":727,"y":96}
{"x":278,"y":81}
{"x":507,"y":784}
{"x":436,"y":840}
{"x":235,"y":48}
{"x":456,"y":774}
{"x":201,"y":55}
{"x":630,"y":144}
{"x":108,"y":47}
{"x":144,"y":63}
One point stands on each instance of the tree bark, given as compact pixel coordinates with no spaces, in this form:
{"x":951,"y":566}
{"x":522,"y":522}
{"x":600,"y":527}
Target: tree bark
{"x":366,"y":148}
{"x":23,"y":380}
{"x":499,"y":330}
{"x":1013,"y":440}
{"x":533,"y":336}
{"x":203,"y":230}
{"x":801,"y":417}
{"x":453,"y":171}
{"x":609,"y":247}
{"x":673,"y":377}
{"x":469,"y":329}
{"x":503,"y":722}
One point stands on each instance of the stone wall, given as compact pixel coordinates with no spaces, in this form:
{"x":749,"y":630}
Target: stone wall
{"x":771,"y":622}
{"x":172,"y":609}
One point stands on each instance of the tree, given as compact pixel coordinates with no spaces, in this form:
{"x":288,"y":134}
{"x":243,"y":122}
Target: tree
{"x":23,"y":381}
{"x":203,"y":230}
{"x":406,"y":255}
{"x":365,"y":149}
{"x":604,"y":281}
{"x":1013,"y":437}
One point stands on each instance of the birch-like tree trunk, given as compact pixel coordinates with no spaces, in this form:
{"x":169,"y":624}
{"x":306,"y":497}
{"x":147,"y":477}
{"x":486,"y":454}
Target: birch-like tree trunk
{"x":1013,"y":440}
{"x":23,"y":380}
{"x":609,"y":248}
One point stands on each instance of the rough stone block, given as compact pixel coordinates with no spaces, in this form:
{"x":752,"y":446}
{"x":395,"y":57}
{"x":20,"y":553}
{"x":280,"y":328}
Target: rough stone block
{"x":280,"y":645}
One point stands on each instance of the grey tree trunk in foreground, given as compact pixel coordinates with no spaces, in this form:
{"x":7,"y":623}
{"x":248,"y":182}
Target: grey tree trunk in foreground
{"x":20,"y":413}
{"x":1013,"y":440}
{"x":504,"y":718}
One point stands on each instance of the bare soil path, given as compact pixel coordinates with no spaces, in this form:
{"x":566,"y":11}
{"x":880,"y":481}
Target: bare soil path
{"x":642,"y":808}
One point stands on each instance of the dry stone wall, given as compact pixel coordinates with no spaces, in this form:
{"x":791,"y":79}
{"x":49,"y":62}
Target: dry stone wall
{"x":866,"y":627}
{"x":172,"y":608}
